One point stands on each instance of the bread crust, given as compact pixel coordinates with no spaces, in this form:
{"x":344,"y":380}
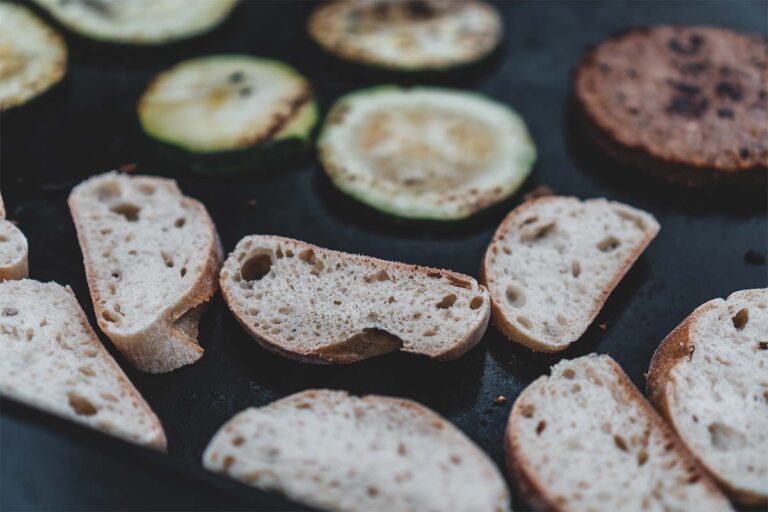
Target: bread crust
{"x":141,"y":347}
{"x":503,"y":323}
{"x":535,"y":491}
{"x":675,"y":348}
{"x":694,"y":169}
{"x":270,"y":343}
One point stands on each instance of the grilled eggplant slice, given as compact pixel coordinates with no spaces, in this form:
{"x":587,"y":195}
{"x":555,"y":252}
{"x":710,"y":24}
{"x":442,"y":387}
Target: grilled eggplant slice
{"x":425,"y":153}
{"x":33,"y":57}
{"x":229,"y":112}
{"x":139,"y":21}
{"x":407,"y":35}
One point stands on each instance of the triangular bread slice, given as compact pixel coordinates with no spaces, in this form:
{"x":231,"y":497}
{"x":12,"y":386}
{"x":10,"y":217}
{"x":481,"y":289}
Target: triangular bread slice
{"x":554,"y":261}
{"x":709,"y":378}
{"x":334,"y":451}
{"x":51,"y":359}
{"x":322,"y":306}
{"x":151,"y":257}
{"x":584,"y":438}
{"x":13,"y":249}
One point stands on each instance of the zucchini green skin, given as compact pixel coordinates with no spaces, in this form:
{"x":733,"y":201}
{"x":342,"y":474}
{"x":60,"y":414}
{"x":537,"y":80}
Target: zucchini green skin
{"x":292,"y":148}
{"x":525,"y":162}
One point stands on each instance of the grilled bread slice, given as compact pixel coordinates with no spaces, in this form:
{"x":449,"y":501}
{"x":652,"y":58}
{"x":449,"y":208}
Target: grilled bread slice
{"x":13,"y":249}
{"x":553,"y":263}
{"x":709,"y":378}
{"x":584,"y":438}
{"x":339,"y":452}
{"x":51,"y":359}
{"x":151,"y":258}
{"x":322,"y":306}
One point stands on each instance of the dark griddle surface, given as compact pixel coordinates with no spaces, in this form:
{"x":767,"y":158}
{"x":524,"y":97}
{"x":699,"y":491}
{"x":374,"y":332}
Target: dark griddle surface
{"x":88,"y":125}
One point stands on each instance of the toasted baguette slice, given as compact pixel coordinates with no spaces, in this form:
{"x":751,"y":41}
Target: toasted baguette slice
{"x":321,"y":306}
{"x":14,"y":250}
{"x":51,"y":359}
{"x":553,"y":262}
{"x":151,"y":258}
{"x":584,"y":438}
{"x":709,"y":378}
{"x":331,"y":450}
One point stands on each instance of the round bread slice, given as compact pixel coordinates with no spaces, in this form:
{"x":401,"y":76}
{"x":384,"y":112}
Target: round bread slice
{"x":139,"y":21}
{"x":321,"y":306}
{"x":334,"y":451}
{"x":33,"y":57}
{"x":14,"y":250}
{"x":689,"y":104}
{"x":554,"y":261}
{"x":151,"y":257}
{"x":709,"y":378}
{"x":51,"y":359}
{"x":584,"y":438}
{"x":426,"y":153}
{"x":407,"y":35}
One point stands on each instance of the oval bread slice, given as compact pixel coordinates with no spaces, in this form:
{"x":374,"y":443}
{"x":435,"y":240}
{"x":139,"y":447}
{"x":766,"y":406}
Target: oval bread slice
{"x":408,"y":35}
{"x":584,"y":438}
{"x":322,"y":306}
{"x":14,"y":250}
{"x":139,"y":21}
{"x":151,"y":258}
{"x":339,"y":452}
{"x":554,"y":261}
{"x":425,"y":153}
{"x":33,"y":57}
{"x":709,"y":378}
{"x":51,"y":359}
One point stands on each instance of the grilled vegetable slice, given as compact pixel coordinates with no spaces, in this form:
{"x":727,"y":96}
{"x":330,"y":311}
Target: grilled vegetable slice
{"x":139,"y":21}
{"x":425,"y":153}
{"x":408,"y":35}
{"x":228,"y":105}
{"x":33,"y":57}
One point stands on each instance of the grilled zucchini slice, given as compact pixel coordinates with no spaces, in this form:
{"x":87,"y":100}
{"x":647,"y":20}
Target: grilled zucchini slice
{"x":33,"y":57}
{"x":425,"y":153}
{"x":230,"y":107}
{"x":407,"y":35}
{"x":139,"y":21}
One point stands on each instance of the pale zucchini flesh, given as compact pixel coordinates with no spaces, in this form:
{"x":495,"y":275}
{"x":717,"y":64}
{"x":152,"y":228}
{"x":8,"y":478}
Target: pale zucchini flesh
{"x":407,"y":35}
{"x":425,"y":153}
{"x":227,"y":103}
{"x":139,"y":21}
{"x":33,"y":57}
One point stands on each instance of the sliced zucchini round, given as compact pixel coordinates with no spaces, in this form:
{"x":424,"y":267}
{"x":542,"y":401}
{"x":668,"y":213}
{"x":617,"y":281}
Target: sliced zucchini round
{"x":407,"y":35}
{"x":33,"y":57}
{"x":139,"y":21}
{"x":425,"y":153}
{"x":227,"y":103}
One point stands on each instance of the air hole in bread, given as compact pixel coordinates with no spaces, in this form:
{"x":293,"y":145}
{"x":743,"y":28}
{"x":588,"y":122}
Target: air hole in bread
{"x":256,"y":267}
{"x":180,"y":222}
{"x":81,"y":405}
{"x":722,"y":437}
{"x":476,"y":302}
{"x":430,"y":332}
{"x":524,"y":321}
{"x":381,"y":275}
{"x":107,"y":191}
{"x":3,"y":238}
{"x":183,"y":271}
{"x":620,"y":443}
{"x":146,"y":189}
{"x":608,"y":244}
{"x":237,"y":441}
{"x":561,"y":319}
{"x":307,"y":256}
{"x":540,"y":427}
{"x":109,"y":316}
{"x":87,"y":371}
{"x":762,"y":345}
{"x":9,"y":311}
{"x":530,"y":220}
{"x":568,"y":373}
{"x":168,"y":259}
{"x":372,"y":491}
{"x":227,"y":462}
{"x":740,"y":319}
{"x":367,"y":343}
{"x":128,"y":210}
{"x":538,"y":233}
{"x":434,"y":274}
{"x":515,"y":296}
{"x":642,"y":457}
{"x":115,"y":274}
{"x":447,"y":301}
{"x":575,"y":269}
{"x":528,"y":410}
